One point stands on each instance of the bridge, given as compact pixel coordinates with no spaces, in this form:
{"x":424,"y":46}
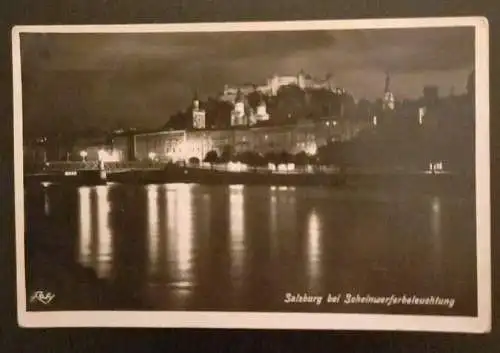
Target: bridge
{"x":64,"y":166}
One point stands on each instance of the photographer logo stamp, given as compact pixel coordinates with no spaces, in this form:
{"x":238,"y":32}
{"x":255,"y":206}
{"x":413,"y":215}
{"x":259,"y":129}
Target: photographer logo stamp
{"x":42,"y":297}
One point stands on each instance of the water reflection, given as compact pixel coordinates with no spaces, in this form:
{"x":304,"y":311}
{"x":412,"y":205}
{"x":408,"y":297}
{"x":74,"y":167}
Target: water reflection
{"x":436,"y":235}
{"x":273,"y":219}
{"x":185,"y":231}
{"x":85,"y":215}
{"x":314,"y":248}
{"x":95,"y":247}
{"x":153,"y":227}
{"x":46,"y":202}
{"x":104,"y":236}
{"x":436,"y":216}
{"x":180,"y":240}
{"x":222,"y":247}
{"x":237,"y":231}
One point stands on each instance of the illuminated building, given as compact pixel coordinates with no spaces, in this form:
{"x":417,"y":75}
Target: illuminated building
{"x":421,"y":114}
{"x":121,"y":144}
{"x":274,"y":83}
{"x":238,"y":114}
{"x":251,"y":128}
{"x":304,"y":136}
{"x":231,"y":93}
{"x":199,"y":115}
{"x":260,"y":113}
{"x":94,"y":146}
{"x":389,"y":100}
{"x":167,"y":145}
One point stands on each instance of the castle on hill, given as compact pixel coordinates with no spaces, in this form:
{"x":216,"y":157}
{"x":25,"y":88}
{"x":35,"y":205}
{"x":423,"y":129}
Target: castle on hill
{"x":243,"y":114}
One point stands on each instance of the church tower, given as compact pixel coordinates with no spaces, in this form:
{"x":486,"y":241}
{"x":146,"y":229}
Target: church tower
{"x":199,"y":115}
{"x":238,"y":115}
{"x":389,"y":101}
{"x":261,"y":111}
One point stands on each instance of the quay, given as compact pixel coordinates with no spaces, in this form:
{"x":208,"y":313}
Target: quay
{"x":81,"y":174}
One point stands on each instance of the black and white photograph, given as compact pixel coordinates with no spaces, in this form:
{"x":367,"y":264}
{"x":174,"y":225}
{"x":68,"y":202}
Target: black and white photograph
{"x":292,"y":175}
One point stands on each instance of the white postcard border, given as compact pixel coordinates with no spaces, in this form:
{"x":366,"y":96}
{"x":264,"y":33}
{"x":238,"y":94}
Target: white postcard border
{"x":261,"y":320}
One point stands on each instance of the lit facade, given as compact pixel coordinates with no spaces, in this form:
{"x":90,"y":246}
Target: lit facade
{"x":199,"y":116}
{"x":121,"y":147}
{"x":239,"y":112}
{"x":421,"y":114}
{"x":260,"y":113}
{"x":389,"y":100}
{"x":274,"y":83}
{"x":304,"y":136}
{"x":165,"y":145}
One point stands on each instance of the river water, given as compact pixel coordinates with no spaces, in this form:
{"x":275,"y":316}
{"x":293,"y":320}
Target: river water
{"x":235,"y":247}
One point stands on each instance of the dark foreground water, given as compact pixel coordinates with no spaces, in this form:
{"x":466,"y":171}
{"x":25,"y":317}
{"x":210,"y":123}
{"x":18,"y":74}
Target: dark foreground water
{"x":196,"y":247}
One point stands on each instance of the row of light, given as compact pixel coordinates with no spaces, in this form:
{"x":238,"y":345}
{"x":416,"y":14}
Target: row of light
{"x":102,"y":155}
{"x":436,"y":167}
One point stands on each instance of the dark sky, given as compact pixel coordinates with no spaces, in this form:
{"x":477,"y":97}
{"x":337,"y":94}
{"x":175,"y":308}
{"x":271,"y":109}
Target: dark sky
{"x":119,"y":80}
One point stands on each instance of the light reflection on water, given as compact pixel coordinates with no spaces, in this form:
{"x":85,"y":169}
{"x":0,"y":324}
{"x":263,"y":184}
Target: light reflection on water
{"x":104,"y":233}
{"x":436,"y":233}
{"x":46,"y":203}
{"x":287,"y":235}
{"x":153,"y":228}
{"x":314,"y":247}
{"x":85,"y":225}
{"x":96,"y":246}
{"x":237,"y":232}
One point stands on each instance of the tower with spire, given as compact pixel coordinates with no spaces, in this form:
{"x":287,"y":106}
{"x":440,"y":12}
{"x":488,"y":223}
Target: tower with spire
{"x":198,"y":114}
{"x":389,"y":101}
{"x":260,"y":113}
{"x":238,"y":114}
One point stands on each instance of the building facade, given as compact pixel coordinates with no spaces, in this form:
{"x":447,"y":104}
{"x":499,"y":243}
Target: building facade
{"x":239,"y":114}
{"x":389,"y":101}
{"x":199,"y":115}
{"x":274,"y":83}
{"x":181,"y":145}
{"x":162,"y":145}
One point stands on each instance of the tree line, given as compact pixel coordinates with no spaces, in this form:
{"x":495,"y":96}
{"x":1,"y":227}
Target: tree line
{"x":446,"y":134}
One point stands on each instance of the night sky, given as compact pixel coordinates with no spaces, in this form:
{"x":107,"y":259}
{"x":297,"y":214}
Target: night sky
{"x":76,"y":81}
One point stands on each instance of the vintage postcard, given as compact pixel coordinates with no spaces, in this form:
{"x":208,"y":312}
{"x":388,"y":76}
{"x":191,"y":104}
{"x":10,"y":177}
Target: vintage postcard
{"x":327,"y":175}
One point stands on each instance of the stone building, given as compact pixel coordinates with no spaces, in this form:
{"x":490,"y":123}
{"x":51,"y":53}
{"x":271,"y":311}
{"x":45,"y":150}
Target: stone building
{"x":178,"y":145}
{"x":199,"y":115}
{"x":274,"y":83}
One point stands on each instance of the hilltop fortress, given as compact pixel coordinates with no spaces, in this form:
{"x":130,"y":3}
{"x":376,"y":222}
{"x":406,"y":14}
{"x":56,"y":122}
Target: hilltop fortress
{"x":270,"y":88}
{"x":245,"y":114}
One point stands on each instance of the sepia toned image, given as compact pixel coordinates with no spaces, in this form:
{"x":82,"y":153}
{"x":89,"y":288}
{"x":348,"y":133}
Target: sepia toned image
{"x":325,"y":174}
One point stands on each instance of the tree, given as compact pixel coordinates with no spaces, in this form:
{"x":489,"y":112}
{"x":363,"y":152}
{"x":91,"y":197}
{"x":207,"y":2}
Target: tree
{"x":301,"y":158}
{"x":179,"y":121}
{"x":254,"y":99}
{"x":259,"y":160}
{"x":211,"y":157}
{"x":285,"y":158}
{"x":271,"y":157}
{"x":288,"y":103}
{"x":333,"y":153}
{"x":252,"y":159}
{"x":218,"y":113}
{"x":227,"y":152}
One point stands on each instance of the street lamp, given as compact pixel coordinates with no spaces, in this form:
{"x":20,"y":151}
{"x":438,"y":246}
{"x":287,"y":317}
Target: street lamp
{"x":83,"y":154}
